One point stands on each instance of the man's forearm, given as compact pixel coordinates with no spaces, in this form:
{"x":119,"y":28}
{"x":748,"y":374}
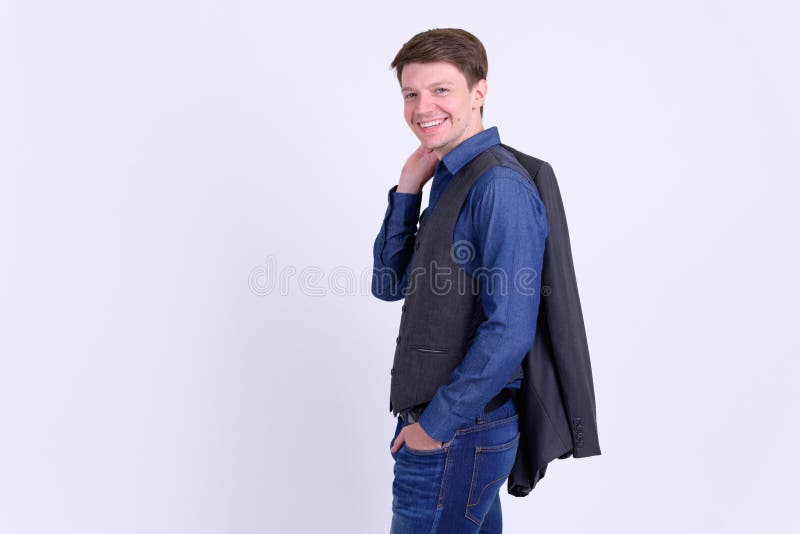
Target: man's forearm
{"x":394,"y":245}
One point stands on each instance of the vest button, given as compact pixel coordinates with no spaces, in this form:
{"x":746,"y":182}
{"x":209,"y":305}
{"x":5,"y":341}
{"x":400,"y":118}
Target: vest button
{"x":398,"y":339}
{"x":392,"y":371}
{"x":403,"y":308}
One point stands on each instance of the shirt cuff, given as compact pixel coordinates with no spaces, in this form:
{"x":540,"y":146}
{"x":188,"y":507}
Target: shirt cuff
{"x":439,"y":422}
{"x":403,"y":208}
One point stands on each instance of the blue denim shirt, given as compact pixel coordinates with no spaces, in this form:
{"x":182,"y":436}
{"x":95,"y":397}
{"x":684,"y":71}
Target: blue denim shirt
{"x":504,"y":221}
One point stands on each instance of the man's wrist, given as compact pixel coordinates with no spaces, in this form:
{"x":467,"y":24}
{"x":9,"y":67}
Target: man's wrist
{"x":409,"y":189}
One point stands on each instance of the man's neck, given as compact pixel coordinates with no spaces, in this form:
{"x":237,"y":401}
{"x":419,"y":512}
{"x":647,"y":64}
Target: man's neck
{"x":476,"y":130}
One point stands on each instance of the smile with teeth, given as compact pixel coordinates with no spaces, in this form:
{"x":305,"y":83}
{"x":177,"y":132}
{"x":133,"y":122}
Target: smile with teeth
{"x":431,"y":124}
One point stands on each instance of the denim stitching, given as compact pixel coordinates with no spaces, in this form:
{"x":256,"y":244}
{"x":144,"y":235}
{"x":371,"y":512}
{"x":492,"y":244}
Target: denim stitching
{"x":478,"y":450}
{"x":445,"y":478}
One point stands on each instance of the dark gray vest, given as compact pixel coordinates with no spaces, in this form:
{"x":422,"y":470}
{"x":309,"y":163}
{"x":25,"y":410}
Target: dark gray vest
{"x":442,"y":308}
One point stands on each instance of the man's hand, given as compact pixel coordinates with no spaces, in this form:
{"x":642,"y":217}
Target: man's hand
{"x":417,"y":171}
{"x":416,"y":438}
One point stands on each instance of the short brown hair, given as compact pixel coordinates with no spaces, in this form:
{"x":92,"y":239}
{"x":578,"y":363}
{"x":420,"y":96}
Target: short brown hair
{"x":451,"y":45}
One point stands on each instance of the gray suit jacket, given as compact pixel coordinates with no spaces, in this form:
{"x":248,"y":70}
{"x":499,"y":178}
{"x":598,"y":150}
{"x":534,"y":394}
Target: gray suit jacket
{"x":557,"y":413}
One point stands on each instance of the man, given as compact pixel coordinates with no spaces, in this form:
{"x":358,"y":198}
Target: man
{"x":469,"y":276}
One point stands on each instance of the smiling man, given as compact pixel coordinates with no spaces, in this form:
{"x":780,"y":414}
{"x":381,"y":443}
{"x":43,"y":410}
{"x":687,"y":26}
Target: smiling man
{"x":440,"y":105}
{"x":467,"y":322}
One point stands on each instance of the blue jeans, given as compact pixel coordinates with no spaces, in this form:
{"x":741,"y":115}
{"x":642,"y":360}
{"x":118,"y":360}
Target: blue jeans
{"x":456,"y":488}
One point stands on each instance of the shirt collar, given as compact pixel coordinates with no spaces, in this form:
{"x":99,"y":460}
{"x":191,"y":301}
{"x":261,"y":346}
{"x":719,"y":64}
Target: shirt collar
{"x":468,"y":149}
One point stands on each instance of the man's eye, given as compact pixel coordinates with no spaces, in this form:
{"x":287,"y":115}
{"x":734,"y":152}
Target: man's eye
{"x":409,"y":96}
{"x":441,"y":90}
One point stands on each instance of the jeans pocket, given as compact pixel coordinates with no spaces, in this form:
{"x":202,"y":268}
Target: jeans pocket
{"x":420,"y":452}
{"x":426,"y":452}
{"x":491,"y":467}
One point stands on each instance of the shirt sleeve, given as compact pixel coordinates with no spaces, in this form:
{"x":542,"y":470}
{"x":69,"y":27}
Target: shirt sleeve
{"x":508,"y":227}
{"x":394,"y":245}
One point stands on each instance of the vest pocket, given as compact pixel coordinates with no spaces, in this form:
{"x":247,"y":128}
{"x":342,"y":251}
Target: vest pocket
{"x":435,"y":367}
{"x":430,"y":350}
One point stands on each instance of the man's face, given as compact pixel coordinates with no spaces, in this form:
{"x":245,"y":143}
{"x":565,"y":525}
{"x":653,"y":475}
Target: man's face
{"x":439,"y":107}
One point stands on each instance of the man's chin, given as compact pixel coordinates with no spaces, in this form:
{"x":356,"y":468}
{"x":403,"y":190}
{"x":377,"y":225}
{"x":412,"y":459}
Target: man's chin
{"x":428,"y":144}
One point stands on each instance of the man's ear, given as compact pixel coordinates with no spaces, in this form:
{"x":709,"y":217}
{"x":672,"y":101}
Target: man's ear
{"x":479,"y":94}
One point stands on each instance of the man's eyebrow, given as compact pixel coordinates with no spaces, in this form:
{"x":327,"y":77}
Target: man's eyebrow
{"x":434,"y":84}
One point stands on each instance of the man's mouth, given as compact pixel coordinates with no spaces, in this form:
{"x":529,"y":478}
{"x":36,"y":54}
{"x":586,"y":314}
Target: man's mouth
{"x":431,"y":124}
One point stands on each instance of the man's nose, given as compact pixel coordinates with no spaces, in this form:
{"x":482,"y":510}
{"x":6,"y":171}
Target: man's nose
{"x":424,"y":104}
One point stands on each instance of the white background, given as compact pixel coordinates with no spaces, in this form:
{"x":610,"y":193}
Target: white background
{"x":157,"y":157}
